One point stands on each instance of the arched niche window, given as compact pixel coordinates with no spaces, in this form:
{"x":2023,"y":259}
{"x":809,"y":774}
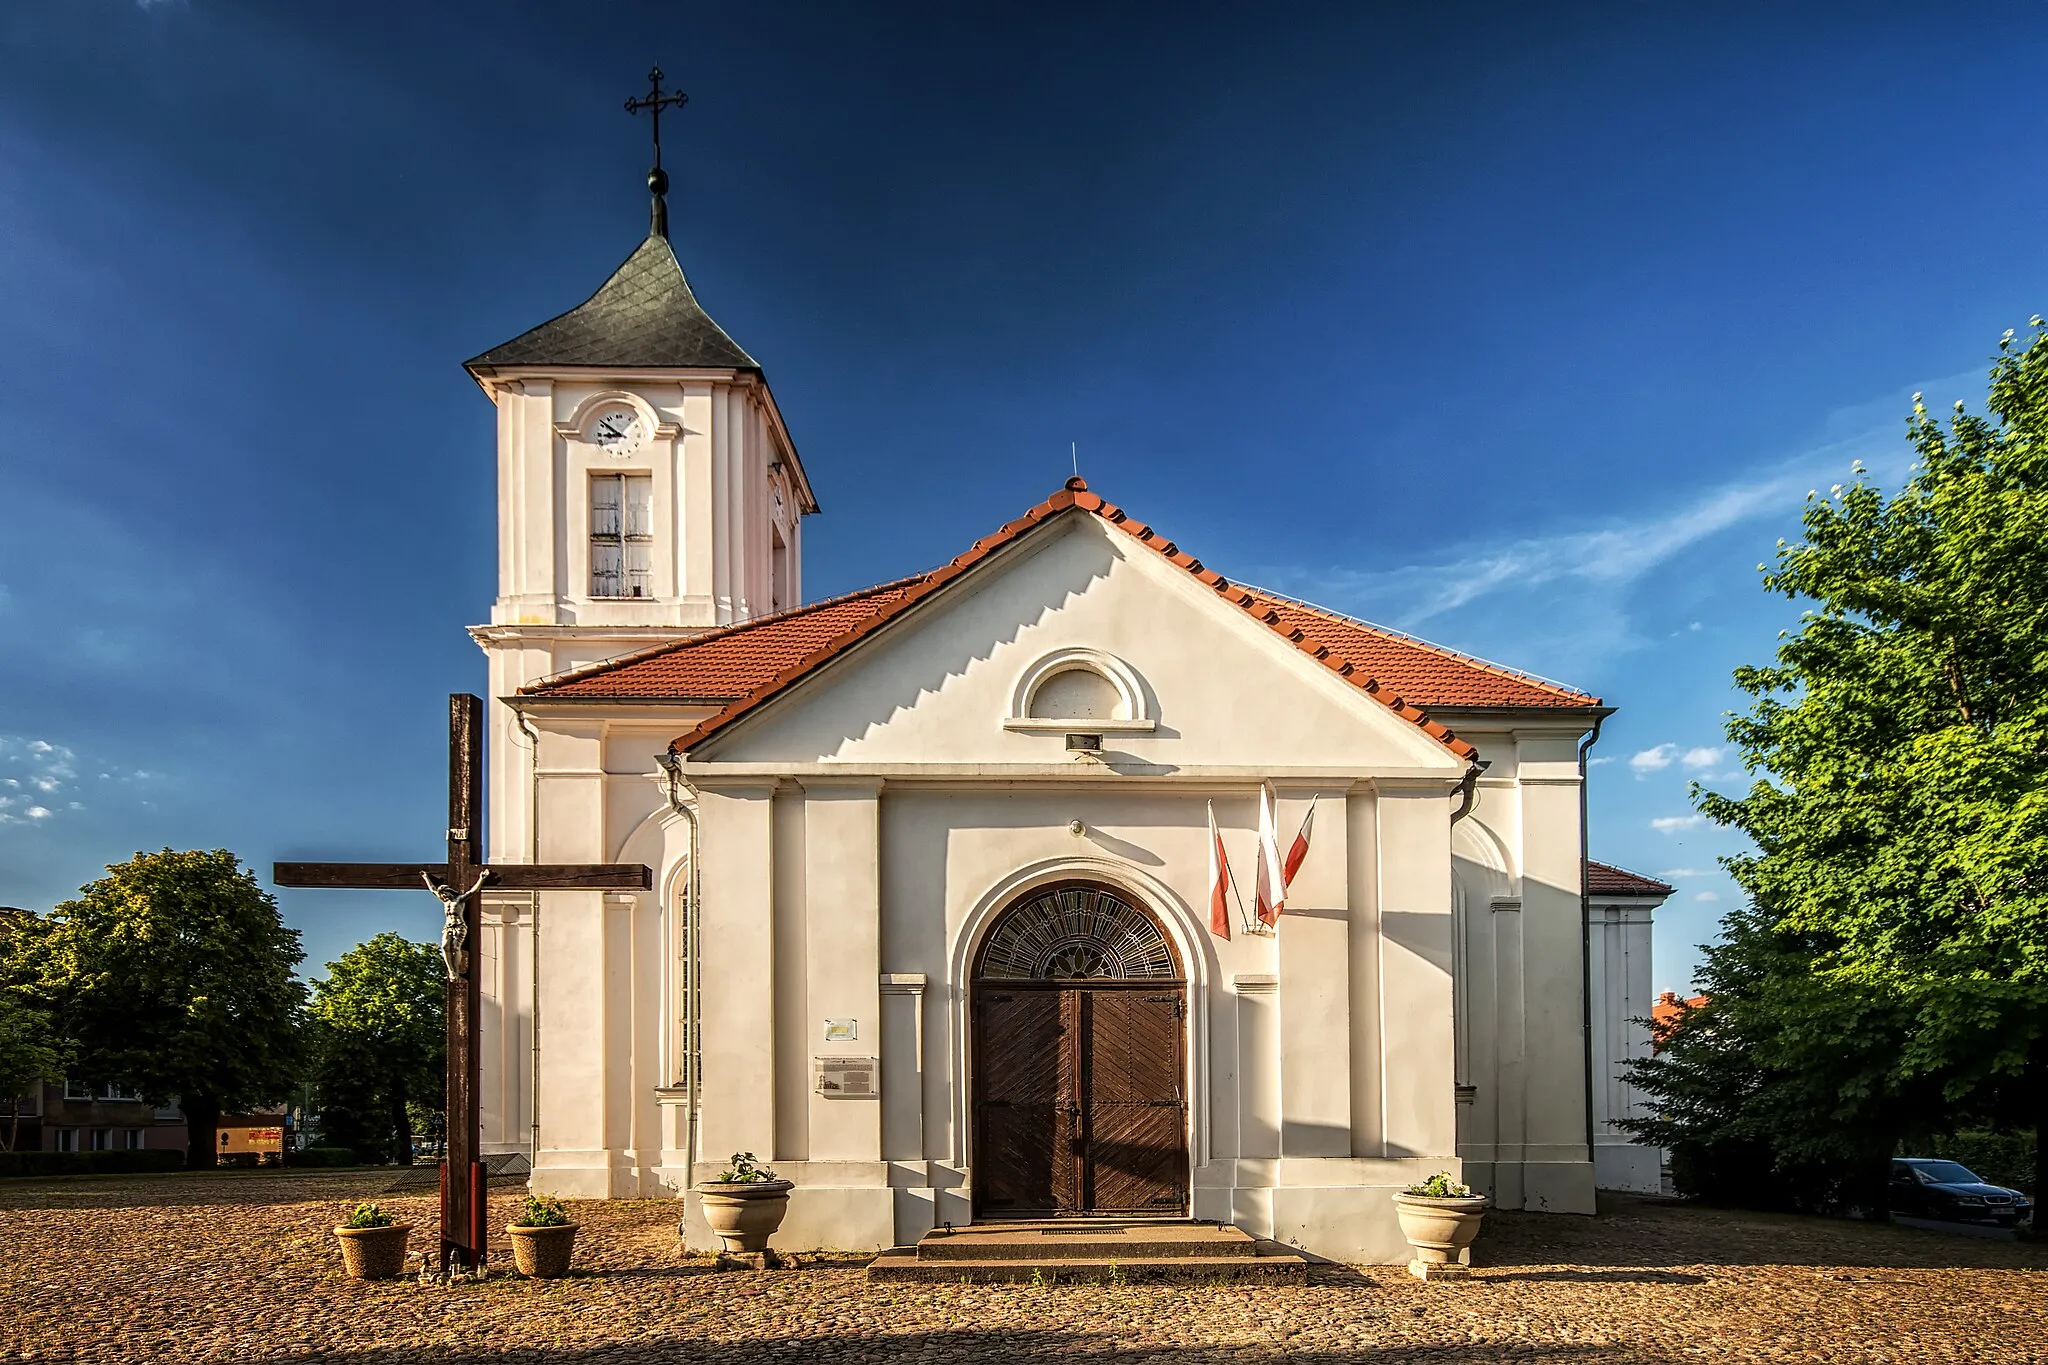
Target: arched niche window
{"x":1077,"y":689}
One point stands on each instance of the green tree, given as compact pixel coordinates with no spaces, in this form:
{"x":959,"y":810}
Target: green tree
{"x":31,"y":1053}
{"x":1782,"y":1090}
{"x":380,"y":1025}
{"x":1900,"y":819}
{"x":174,"y":974}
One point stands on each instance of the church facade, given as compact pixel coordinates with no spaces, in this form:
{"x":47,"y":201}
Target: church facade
{"x":932,"y":928}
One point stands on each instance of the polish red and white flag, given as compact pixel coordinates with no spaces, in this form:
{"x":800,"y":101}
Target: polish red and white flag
{"x":1272,"y":892}
{"x":1219,"y":880}
{"x":1299,"y":849}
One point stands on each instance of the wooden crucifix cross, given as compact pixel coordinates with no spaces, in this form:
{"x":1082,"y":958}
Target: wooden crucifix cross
{"x":455,"y":884}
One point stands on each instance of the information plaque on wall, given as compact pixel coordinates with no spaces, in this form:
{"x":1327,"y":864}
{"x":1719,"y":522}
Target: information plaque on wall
{"x":846,"y":1078}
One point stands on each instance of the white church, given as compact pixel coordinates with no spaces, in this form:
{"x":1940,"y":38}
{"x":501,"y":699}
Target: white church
{"x":931,"y":929}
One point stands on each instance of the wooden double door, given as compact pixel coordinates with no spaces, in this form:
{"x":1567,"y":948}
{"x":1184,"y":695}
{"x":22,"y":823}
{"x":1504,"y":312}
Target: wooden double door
{"x":1079,"y":1098}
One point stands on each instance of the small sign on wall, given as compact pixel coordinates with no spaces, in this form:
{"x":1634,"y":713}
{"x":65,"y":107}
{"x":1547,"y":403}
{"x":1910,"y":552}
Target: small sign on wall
{"x":846,"y":1078}
{"x":842,"y":1030}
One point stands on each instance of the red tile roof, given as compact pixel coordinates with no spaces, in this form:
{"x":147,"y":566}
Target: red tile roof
{"x":1426,"y":674}
{"x":726,"y":664}
{"x":743,"y":666}
{"x":1602,"y":880}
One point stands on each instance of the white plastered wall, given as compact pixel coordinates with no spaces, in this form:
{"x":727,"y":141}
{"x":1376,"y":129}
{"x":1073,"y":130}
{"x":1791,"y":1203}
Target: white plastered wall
{"x":1620,"y":984}
{"x":1522,"y":1115}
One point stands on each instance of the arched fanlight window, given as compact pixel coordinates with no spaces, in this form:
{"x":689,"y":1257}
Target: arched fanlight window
{"x":1076,"y":688}
{"x":1076,"y":933}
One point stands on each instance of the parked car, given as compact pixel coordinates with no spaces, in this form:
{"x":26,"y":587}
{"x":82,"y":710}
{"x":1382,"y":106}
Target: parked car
{"x":1929,"y":1187}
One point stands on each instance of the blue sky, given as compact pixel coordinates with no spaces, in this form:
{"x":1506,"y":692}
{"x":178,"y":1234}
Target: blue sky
{"x":1527,"y":332}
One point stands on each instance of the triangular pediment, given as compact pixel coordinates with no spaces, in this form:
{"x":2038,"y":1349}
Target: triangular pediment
{"x":945,"y":682}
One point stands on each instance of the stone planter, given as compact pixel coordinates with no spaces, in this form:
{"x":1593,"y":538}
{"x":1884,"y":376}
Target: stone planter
{"x":374,"y":1253}
{"x":542,"y":1253}
{"x":744,"y":1214}
{"x":1439,"y":1230}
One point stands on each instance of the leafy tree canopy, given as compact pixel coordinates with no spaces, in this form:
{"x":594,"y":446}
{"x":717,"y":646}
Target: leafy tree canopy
{"x":1903,"y":828}
{"x":1890,"y":970}
{"x":380,"y":1036}
{"x":31,"y":1053}
{"x":173,"y":973}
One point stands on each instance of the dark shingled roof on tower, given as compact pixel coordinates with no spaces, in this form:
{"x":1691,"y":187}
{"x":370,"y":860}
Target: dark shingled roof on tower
{"x":643,"y":317}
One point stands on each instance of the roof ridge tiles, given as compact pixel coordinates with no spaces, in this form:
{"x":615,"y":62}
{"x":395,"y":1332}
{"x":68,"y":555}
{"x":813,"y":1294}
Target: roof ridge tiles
{"x":1405,"y":637}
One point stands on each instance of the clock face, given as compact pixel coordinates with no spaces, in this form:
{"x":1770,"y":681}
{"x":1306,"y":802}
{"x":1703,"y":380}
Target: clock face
{"x":618,"y":431}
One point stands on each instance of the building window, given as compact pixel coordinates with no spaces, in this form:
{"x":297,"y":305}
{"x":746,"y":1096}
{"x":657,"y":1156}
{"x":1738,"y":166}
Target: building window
{"x":621,"y":534}
{"x":67,"y":1139}
{"x":112,"y":1091}
{"x":134,"y":1139}
{"x":75,"y":1089}
{"x":103,"y":1139}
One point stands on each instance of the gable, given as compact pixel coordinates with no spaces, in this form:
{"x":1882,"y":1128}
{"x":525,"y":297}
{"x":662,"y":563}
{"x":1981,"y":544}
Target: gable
{"x":760,"y":660}
{"x":938,"y":684}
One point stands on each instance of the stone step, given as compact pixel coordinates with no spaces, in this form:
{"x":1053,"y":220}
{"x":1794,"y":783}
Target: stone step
{"x":1084,"y":1242}
{"x":902,"y":1265}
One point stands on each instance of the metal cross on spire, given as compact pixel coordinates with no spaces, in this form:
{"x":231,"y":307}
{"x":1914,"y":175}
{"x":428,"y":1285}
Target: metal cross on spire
{"x":657,"y":179}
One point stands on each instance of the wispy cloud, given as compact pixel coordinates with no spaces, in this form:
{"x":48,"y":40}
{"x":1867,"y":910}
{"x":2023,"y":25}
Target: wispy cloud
{"x":1707,"y":896}
{"x":1671,"y":824}
{"x":1679,"y":873}
{"x":1580,"y":575}
{"x":31,"y":771}
{"x":1653,"y":760}
{"x":1696,"y":759}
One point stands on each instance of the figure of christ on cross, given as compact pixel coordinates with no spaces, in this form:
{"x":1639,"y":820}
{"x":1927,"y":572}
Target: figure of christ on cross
{"x":455,"y":883}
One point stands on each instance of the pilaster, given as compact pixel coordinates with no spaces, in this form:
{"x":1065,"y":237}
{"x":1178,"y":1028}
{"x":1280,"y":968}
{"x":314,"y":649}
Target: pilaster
{"x":842,"y":888}
{"x":1418,"y":1093}
{"x":1315,"y":1007}
{"x":737,"y":948}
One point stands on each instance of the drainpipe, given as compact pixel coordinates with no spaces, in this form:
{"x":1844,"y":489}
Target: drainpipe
{"x":1586,"y":929}
{"x":692,"y":891}
{"x":533,"y":920}
{"x":1468,"y":790}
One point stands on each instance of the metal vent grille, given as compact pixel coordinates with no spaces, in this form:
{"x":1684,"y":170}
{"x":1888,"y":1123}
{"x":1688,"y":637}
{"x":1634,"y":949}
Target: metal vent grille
{"x":1076,"y":933}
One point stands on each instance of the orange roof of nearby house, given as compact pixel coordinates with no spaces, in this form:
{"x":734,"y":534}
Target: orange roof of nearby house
{"x":1669,"y":1009}
{"x":740,"y":667}
{"x":1603,"y":880}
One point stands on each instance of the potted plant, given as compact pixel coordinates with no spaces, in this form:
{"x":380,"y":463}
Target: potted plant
{"x":542,"y":1238}
{"x":372,"y":1244}
{"x":1439,"y":1217}
{"x":745,"y":1205}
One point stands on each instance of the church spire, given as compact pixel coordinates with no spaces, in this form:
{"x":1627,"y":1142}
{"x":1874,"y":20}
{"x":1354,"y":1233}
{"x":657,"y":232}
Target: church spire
{"x":657,"y":179}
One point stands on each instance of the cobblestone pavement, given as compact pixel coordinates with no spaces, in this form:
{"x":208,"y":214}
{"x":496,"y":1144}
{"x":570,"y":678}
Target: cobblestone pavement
{"x":243,"y":1267}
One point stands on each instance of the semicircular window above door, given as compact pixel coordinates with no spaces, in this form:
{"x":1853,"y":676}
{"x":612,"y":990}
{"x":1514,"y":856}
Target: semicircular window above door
{"x":1076,"y":933}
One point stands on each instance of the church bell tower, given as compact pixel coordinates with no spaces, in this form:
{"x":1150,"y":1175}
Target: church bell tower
{"x":647,"y":485}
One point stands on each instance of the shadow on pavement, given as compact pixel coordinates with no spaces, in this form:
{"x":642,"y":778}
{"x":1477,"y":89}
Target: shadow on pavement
{"x":1649,"y":1234}
{"x":1593,"y":1276}
{"x":977,"y":1347}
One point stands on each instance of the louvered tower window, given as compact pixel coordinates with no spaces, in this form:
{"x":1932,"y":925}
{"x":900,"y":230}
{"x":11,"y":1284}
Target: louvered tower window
{"x":621,"y":535}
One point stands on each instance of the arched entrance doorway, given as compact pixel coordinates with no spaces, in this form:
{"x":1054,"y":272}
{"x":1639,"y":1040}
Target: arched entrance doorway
{"x":1079,"y":1008}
